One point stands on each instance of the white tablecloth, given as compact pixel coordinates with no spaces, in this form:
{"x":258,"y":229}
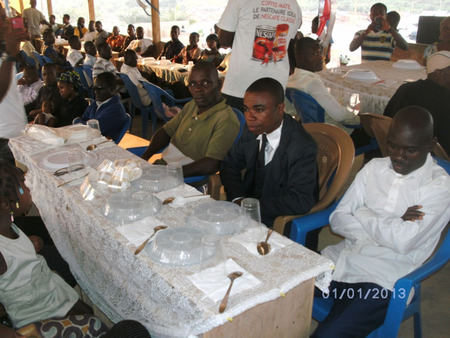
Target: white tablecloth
{"x":373,"y":97}
{"x":123,"y":285}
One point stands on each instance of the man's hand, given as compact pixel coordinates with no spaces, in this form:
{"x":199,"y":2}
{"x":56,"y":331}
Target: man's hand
{"x":412,"y":213}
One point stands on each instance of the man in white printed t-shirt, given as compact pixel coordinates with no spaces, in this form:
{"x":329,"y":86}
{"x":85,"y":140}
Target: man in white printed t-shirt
{"x":259,"y":32}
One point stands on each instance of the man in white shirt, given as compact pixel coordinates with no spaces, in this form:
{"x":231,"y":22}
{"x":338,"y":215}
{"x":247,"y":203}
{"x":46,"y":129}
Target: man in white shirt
{"x":130,"y":68}
{"x":391,"y":217}
{"x":141,"y":45}
{"x":103,"y":64}
{"x":90,"y":35}
{"x":33,"y":18}
{"x":91,"y":52}
{"x":278,"y":155}
{"x":29,"y":85}
{"x":74,"y":55}
{"x":309,"y":60}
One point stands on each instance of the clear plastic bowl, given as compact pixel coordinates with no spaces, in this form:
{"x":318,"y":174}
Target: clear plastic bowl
{"x":130,"y":206}
{"x":217,"y":217}
{"x":176,"y":246}
{"x":152,"y":179}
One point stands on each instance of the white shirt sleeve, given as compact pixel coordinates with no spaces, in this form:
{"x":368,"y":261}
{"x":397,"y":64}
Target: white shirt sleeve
{"x":230,"y":16}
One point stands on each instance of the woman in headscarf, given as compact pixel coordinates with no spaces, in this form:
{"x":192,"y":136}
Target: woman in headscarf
{"x":74,"y":105}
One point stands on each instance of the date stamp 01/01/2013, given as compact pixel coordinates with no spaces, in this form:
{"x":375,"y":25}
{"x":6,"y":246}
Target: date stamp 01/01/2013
{"x":360,"y":293}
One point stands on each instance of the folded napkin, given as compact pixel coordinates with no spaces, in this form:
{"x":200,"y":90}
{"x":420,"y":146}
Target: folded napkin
{"x":251,"y":237}
{"x":137,"y":232}
{"x":206,"y":280}
{"x":183,"y":194}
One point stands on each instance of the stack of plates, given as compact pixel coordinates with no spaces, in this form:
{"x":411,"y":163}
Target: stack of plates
{"x":60,"y":159}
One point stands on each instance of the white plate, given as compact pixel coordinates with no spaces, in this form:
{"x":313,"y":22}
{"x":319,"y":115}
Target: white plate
{"x":407,"y":64}
{"x":361,"y":75}
{"x":60,"y":159}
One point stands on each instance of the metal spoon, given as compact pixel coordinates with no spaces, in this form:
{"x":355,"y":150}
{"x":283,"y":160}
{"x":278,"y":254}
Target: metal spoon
{"x":232,"y":276}
{"x":93,"y":146}
{"x":264,"y":247}
{"x":155,"y":230}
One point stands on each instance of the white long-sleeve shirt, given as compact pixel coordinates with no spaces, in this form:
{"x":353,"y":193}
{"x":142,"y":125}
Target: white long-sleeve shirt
{"x":380,"y":247}
{"x":30,"y":93}
{"x":311,"y":84}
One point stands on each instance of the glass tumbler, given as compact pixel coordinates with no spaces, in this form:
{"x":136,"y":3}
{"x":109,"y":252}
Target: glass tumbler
{"x":251,"y":212}
{"x":174,"y":175}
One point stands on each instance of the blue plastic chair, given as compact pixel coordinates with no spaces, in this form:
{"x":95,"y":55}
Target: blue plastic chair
{"x":47,"y":59}
{"x":126,"y":125}
{"x":29,"y":61}
{"x":136,"y":99}
{"x":40,"y":59}
{"x":309,"y":110}
{"x":398,"y":309}
{"x":156,"y":94}
{"x":88,"y":72}
{"x":84,"y":83}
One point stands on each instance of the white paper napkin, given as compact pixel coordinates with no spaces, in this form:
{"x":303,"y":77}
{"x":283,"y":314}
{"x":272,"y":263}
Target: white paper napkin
{"x":216,"y":289}
{"x":251,"y":237}
{"x":183,"y":194}
{"x":137,"y":232}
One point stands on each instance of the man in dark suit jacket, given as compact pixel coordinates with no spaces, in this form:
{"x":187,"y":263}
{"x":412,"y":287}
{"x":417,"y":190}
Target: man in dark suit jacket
{"x":284,"y":175}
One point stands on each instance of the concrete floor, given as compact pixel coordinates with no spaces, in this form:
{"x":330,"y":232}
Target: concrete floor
{"x":435,"y":289}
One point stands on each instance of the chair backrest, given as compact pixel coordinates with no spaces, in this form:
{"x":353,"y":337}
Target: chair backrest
{"x":334,"y":160}
{"x":88,"y":75}
{"x":28,"y":60}
{"x":40,"y":58}
{"x":242,"y":122}
{"x":308,"y":109}
{"x":126,"y":125}
{"x":378,"y":127}
{"x":47,"y":59}
{"x":156,"y":93}
{"x":132,"y":90}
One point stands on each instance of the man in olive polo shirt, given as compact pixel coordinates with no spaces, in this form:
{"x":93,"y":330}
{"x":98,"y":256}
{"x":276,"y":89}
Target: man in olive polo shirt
{"x":200,"y":136}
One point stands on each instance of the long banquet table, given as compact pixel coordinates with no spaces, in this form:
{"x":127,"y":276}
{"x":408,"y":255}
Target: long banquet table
{"x":125,"y":286}
{"x":373,"y":96}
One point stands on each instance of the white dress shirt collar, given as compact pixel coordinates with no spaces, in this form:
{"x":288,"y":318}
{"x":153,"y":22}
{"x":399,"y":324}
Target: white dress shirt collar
{"x":273,"y":141}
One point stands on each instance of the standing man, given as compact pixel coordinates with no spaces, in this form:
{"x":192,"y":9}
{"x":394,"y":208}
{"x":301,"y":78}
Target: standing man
{"x":259,"y":33}
{"x":199,"y":136}
{"x":278,"y":155}
{"x":391,"y":219}
{"x":34,"y":18}
{"x":174,"y":46}
{"x":378,"y":40}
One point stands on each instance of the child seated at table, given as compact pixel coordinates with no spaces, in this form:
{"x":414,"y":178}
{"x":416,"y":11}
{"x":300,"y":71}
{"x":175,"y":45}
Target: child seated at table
{"x":212,"y":55}
{"x":29,"y":290}
{"x":91,"y":54}
{"x":46,"y":115}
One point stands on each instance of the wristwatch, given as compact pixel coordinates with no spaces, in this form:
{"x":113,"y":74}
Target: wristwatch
{"x":6,"y":57}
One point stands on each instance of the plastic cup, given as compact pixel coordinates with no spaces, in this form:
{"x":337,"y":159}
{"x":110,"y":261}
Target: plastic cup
{"x":213,"y":258}
{"x":75,"y":158}
{"x":251,"y":212}
{"x":174,"y":175}
{"x":93,"y":123}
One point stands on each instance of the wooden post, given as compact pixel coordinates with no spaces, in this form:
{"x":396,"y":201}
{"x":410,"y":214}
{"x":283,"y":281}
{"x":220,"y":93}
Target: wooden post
{"x":91,"y":10}
{"x":21,"y":6}
{"x":156,"y":28}
{"x":49,"y":8}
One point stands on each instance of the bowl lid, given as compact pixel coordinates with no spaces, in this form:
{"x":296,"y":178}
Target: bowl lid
{"x":131,"y":206}
{"x":176,"y":246}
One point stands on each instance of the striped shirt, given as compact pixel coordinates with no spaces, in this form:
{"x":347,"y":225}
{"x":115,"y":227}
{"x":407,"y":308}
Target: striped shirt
{"x":376,"y":46}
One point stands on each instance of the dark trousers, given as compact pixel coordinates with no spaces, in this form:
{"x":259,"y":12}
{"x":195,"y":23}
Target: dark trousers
{"x":235,"y":102}
{"x":358,"y":309}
